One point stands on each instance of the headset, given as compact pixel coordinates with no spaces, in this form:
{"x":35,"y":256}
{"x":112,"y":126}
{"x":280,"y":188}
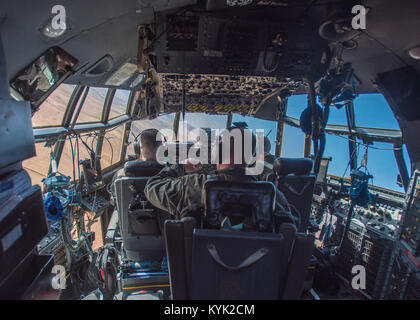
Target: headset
{"x":136,"y":143}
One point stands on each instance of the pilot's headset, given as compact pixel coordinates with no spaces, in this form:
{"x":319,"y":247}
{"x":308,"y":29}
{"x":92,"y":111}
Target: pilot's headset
{"x":137,"y":139}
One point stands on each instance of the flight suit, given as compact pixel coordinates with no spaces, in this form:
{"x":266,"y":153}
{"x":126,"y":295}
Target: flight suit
{"x":171,"y":190}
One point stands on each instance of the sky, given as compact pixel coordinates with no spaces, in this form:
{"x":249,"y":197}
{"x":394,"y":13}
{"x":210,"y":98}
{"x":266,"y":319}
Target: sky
{"x":371,"y":110}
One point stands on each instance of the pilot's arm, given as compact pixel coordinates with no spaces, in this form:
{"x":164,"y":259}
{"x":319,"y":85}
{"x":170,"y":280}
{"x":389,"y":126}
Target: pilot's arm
{"x":171,"y":190}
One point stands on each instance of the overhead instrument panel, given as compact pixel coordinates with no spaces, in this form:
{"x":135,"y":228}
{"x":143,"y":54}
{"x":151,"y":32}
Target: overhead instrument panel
{"x":237,"y":45}
{"x":217,"y":93}
{"x":231,"y":63}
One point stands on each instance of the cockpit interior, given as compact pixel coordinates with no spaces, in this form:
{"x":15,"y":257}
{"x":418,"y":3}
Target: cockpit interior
{"x":331,"y":86}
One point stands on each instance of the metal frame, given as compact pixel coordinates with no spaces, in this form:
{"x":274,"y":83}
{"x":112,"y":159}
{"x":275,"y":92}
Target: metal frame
{"x":71,"y":105}
{"x":363,"y":133}
{"x":281,"y":112}
{"x":229,"y":120}
{"x":279,"y":137}
{"x":69,"y":124}
{"x":351,"y":124}
{"x":175,"y":125}
{"x":104,"y":119}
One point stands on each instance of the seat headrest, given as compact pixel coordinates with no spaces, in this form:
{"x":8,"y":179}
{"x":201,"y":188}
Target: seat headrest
{"x":297,"y":166}
{"x":138,"y":168}
{"x":233,"y":198}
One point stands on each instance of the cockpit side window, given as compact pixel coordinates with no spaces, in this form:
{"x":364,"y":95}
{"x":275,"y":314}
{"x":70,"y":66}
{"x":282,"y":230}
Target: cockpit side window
{"x":51,"y":111}
{"x":37,"y":167}
{"x":292,"y":142}
{"x":296,"y":104}
{"x":93,"y":105}
{"x":111,"y":147}
{"x":372,"y":110}
{"x":119,"y":103}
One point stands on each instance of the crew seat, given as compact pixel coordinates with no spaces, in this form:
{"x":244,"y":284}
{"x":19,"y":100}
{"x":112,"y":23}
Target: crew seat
{"x":294,"y":179}
{"x":140,"y":223}
{"x":226,"y":256}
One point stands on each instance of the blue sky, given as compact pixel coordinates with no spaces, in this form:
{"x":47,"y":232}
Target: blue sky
{"x":371,"y":110}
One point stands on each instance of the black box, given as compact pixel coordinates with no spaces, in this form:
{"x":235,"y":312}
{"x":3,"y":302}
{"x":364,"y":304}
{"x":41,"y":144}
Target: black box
{"x":32,"y":279}
{"x":21,"y":230}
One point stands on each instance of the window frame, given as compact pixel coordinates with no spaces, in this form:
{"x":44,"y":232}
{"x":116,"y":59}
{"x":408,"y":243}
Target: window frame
{"x":60,"y":132}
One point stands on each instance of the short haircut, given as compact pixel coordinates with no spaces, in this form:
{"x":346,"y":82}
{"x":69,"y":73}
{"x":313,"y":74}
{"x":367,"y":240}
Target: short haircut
{"x":149,"y":142}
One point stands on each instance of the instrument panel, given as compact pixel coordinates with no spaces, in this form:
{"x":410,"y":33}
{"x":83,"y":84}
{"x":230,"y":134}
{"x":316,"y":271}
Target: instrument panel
{"x":225,"y":63}
{"x":237,"y":45}
{"x":219,"y":94}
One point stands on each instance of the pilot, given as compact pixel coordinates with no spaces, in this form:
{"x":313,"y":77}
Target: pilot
{"x":146,"y":145}
{"x":180,"y":186}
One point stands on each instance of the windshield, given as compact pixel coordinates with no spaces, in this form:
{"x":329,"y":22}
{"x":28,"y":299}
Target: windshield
{"x":371,"y":110}
{"x":192,"y":121}
{"x":254,"y":124}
